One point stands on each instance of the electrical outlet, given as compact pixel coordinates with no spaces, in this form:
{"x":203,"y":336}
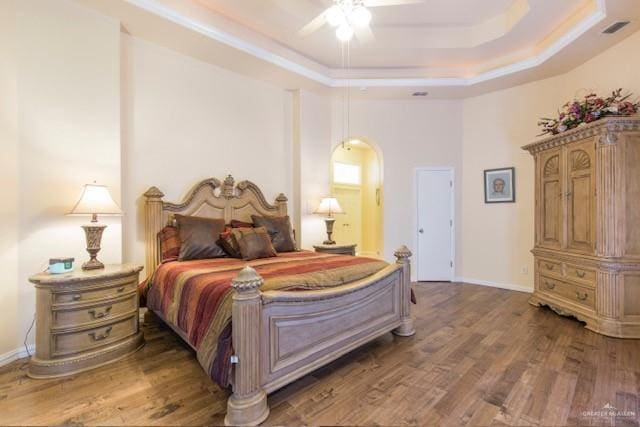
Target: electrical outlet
{"x":524,"y":269}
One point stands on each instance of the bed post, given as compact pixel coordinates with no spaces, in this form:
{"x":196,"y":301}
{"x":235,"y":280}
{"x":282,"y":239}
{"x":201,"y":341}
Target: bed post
{"x":402,"y":258}
{"x":153,"y":225}
{"x":281,"y":203}
{"x":248,"y":403}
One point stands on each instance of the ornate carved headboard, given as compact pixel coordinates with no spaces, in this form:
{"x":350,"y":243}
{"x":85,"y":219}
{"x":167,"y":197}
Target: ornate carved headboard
{"x":211,"y":199}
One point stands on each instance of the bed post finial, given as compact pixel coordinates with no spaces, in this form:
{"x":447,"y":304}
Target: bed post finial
{"x":153,"y":225}
{"x":281,"y":203}
{"x":406,"y":329}
{"x":248,"y":403}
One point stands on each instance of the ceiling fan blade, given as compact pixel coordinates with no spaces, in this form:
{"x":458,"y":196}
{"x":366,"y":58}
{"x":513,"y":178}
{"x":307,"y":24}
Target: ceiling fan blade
{"x":312,"y":26}
{"x":379,"y":3}
{"x":364,"y":34}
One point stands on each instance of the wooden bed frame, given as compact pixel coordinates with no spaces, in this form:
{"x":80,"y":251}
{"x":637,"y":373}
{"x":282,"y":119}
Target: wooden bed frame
{"x":279,"y":336}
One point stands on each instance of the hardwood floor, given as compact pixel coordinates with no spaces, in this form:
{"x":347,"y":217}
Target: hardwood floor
{"x":480,"y":356}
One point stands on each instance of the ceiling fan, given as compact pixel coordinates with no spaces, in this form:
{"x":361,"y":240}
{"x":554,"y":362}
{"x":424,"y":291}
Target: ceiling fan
{"x":350,"y":17}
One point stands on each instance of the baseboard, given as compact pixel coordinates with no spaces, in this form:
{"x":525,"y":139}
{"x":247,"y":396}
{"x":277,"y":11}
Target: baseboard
{"x":16,"y":354}
{"x":508,"y":286}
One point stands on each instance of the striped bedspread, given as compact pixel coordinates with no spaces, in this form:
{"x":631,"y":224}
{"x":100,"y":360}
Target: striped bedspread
{"x":195,"y":296}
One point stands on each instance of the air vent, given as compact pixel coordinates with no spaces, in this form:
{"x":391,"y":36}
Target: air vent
{"x":615,"y":27}
{"x":420,"y":94}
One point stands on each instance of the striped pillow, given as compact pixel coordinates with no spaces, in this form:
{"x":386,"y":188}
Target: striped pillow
{"x":169,"y":243}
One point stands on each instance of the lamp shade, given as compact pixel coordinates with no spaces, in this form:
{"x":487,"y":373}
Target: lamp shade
{"x":329,"y":206}
{"x":95,"y":199}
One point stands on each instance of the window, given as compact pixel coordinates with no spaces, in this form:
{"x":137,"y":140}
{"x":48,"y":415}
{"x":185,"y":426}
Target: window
{"x":346,"y":173}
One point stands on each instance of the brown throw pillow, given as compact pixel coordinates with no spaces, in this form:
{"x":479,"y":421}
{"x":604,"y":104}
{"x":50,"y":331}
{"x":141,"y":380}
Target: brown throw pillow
{"x":199,"y":237}
{"x":279,"y":229}
{"x":254,"y":243}
{"x":240,"y":224}
{"x":229,"y":244}
{"x":169,"y":243}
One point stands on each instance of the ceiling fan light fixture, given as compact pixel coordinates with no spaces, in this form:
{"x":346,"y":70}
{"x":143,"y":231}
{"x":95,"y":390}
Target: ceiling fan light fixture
{"x":334,"y":15}
{"x":344,"y":32}
{"x":361,"y":16}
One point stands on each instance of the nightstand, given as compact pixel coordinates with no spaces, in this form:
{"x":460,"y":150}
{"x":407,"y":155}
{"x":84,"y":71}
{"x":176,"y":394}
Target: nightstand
{"x":85,"y":319}
{"x":336,"y":249}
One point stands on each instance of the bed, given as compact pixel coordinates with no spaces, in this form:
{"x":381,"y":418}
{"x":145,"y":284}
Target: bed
{"x":290,"y":314}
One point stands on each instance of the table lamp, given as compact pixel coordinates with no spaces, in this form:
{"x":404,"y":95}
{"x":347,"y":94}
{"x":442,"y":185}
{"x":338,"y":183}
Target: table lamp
{"x":329,"y":206}
{"x":95,"y":199}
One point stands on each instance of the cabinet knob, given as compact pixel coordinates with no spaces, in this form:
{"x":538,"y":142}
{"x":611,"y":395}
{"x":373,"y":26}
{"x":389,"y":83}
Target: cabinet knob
{"x":581,"y":296}
{"x":580,"y":274}
{"x":76,"y":297}
{"x":549,"y":266}
{"x":421,"y":231}
{"x":550,"y":285}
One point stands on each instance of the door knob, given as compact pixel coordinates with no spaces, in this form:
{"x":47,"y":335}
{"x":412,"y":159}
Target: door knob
{"x":421,"y":231}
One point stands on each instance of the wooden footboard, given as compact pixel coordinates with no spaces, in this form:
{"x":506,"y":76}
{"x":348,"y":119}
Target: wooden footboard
{"x":280,"y":336}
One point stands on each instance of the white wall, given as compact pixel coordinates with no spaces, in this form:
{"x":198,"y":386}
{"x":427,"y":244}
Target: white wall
{"x":64,"y":133}
{"x":497,"y":238}
{"x":407,"y":135}
{"x":9,"y":214}
{"x":185,"y":120}
{"x":314,"y":139}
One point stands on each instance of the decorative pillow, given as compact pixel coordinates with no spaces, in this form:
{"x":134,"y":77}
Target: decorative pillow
{"x":229,"y":244}
{"x":253,"y":243}
{"x":240,"y":224}
{"x":199,"y":237}
{"x":279,"y":229}
{"x":169,"y":243}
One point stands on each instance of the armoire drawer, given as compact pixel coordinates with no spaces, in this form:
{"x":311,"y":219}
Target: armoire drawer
{"x":578,"y":294}
{"x":582,"y":275}
{"x":550,"y":267}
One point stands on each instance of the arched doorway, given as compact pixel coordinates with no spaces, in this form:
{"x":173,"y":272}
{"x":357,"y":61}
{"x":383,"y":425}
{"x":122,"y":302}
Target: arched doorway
{"x":356,"y":181}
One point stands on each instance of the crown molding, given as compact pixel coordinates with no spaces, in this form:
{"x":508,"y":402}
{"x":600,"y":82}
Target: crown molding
{"x":226,"y":38}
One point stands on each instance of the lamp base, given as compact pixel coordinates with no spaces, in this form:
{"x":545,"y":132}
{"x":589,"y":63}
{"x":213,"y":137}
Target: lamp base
{"x":329,"y":223}
{"x":93,"y":234}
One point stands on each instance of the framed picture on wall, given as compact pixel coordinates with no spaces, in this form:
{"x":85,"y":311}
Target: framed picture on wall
{"x":500,"y":185}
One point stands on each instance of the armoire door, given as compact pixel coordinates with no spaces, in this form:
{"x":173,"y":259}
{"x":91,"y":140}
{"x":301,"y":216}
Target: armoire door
{"x":581,"y":197}
{"x":550,"y":202}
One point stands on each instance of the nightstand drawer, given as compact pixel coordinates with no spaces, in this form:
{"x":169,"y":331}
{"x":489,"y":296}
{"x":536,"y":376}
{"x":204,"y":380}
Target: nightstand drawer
{"x":95,"y":312}
{"x":103,"y":292}
{"x":75,"y":342}
{"x":578,"y":294}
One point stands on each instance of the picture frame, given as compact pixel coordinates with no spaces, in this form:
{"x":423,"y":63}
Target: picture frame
{"x":500,"y":185}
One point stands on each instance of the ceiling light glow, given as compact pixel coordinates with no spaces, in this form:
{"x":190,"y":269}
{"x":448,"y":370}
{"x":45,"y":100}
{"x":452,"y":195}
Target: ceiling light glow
{"x":361,"y":16}
{"x":335,"y":16}
{"x":344,"y":32}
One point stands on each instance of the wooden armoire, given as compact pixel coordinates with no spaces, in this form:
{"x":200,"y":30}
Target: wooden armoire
{"x":587,"y":225}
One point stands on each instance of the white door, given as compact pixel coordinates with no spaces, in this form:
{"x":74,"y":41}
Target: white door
{"x":435,"y":225}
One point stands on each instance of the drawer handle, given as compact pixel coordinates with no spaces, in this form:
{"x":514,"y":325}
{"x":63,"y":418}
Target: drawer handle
{"x":549,"y":266}
{"x":550,"y":285}
{"x":580,"y":274}
{"x":121,"y":289}
{"x":582,"y":296}
{"x":100,"y":314}
{"x":76,"y":297}
{"x":99,"y":337}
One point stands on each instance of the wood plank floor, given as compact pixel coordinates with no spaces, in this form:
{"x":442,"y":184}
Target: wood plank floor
{"x":480,"y":356}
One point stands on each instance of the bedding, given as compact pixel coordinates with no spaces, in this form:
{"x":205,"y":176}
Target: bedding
{"x":196,"y":296}
{"x":199,"y":237}
{"x":280,"y":230}
{"x":253,"y":243}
